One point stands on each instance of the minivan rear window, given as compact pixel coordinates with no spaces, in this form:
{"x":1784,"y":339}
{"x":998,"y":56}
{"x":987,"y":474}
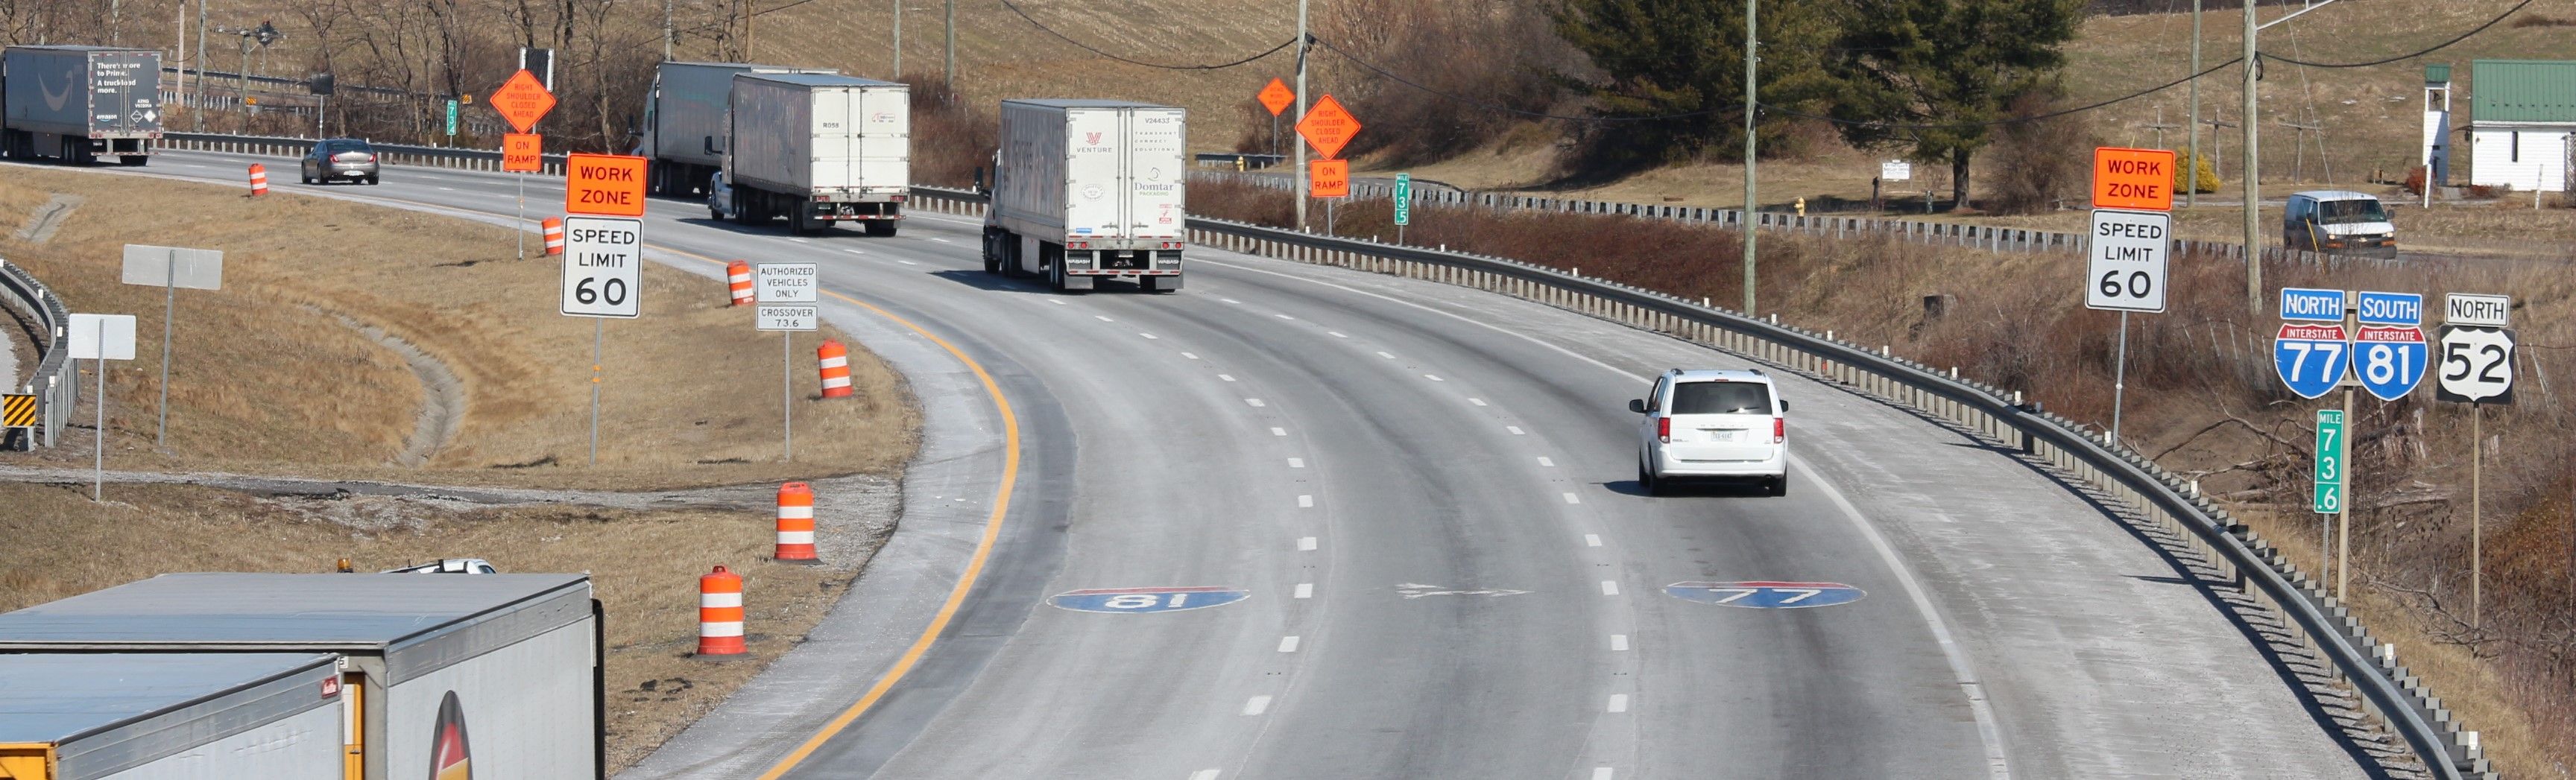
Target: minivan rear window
{"x":1721,"y":398}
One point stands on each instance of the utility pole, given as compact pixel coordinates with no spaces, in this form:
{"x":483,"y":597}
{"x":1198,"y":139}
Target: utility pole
{"x":199,"y":110}
{"x":1752,"y":203}
{"x":2191,"y":187}
{"x":948,"y":71}
{"x":2253,"y":175}
{"x":179,"y":53}
{"x":666,"y":30}
{"x":116,"y":27}
{"x":1298,"y":174}
{"x":898,"y":41}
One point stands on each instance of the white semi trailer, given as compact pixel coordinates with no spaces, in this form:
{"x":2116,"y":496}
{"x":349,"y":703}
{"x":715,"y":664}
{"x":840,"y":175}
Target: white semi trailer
{"x":164,"y":716}
{"x":685,"y":122}
{"x":1086,"y":189}
{"x":816,"y":149}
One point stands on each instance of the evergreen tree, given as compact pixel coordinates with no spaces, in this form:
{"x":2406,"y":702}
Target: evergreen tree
{"x":1954,"y":65}
{"x":1659,"y":57}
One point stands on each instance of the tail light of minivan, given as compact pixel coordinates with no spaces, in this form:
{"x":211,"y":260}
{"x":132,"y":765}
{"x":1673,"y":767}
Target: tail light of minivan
{"x":1779,"y":429}
{"x":1664,"y":429}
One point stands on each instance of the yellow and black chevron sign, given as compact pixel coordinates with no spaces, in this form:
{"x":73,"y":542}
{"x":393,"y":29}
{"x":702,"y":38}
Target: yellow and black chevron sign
{"x":17,"y":411}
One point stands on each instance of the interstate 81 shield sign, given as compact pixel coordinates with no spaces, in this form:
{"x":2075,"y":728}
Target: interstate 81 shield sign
{"x":2390,"y":360}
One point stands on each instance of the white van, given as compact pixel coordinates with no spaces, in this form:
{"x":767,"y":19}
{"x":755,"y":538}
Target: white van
{"x":1712,"y":425}
{"x":2338,"y":222}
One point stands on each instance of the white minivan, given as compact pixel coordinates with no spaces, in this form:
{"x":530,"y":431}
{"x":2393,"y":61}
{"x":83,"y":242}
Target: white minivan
{"x":1712,"y":425}
{"x":2338,"y":222}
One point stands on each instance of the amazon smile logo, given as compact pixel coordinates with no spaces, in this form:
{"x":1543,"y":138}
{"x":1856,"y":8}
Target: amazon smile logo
{"x":54,"y":100}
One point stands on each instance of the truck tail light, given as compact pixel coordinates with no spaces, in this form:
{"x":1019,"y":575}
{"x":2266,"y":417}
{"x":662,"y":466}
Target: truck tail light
{"x":1664,"y":429}
{"x":899,"y":198}
{"x":822,"y":198}
{"x":1779,"y":429}
{"x":1171,"y":245}
{"x":1077,"y":245}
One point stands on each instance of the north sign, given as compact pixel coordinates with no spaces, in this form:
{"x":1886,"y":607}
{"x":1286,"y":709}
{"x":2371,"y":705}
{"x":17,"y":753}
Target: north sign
{"x":2390,"y":360}
{"x":2483,"y":311}
{"x":2311,"y":359}
{"x":2299,"y":303}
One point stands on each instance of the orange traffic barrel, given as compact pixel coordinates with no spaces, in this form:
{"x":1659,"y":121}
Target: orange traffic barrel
{"x":258,"y":179}
{"x":720,"y":613}
{"x":796,"y":523}
{"x":836,"y":369}
{"x":554,"y":235}
{"x":738,"y":276}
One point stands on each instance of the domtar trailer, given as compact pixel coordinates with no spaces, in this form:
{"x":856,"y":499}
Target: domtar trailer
{"x":1086,"y":189}
{"x":499,"y":669}
{"x":167,"y":716}
{"x":685,"y":122}
{"x":80,"y":103}
{"x":817,"y":149}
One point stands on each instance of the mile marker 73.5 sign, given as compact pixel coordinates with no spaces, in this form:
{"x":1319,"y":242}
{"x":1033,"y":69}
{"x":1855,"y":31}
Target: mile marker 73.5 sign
{"x":602,"y":266}
{"x":2129,"y":258}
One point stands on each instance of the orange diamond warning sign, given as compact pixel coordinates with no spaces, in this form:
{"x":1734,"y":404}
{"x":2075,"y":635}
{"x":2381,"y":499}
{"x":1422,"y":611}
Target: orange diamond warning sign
{"x":1276,"y":96}
{"x":522,"y":101}
{"x":1328,"y":126}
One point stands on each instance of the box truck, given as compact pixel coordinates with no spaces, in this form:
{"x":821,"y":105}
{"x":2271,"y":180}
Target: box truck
{"x":80,"y":103}
{"x":816,"y":149}
{"x":684,"y":122}
{"x":499,"y":669}
{"x":1086,"y":189}
{"x":132,"y":716}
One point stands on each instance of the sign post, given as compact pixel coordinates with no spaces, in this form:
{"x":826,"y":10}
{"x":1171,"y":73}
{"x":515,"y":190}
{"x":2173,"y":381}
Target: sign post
{"x":1403,"y":204}
{"x":2477,"y":369}
{"x":171,"y":268}
{"x":101,"y":337}
{"x":522,"y":101}
{"x":2131,"y":246}
{"x":603,"y":252}
{"x":1276,"y":96}
{"x":786,"y":295}
{"x":1329,"y":127}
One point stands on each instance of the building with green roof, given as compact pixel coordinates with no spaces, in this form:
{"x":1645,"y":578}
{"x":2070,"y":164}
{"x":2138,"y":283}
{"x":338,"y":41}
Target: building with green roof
{"x":2522,"y":116}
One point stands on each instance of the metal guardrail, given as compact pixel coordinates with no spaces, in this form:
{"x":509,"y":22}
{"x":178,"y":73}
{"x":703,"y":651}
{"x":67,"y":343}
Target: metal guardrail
{"x":387,"y":154}
{"x":2326,"y":629}
{"x":57,"y":389}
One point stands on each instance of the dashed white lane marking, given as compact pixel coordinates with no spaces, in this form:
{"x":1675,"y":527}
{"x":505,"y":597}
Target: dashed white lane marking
{"x":1618,"y":643}
{"x":1572,"y":499}
{"x":1305,"y":501}
{"x":1287,"y":644}
{"x":1054,"y":301}
{"x":1477,"y":401}
{"x":1433,"y":377}
{"x":1591,"y":540}
{"x":1229,"y":300}
{"x":1149,"y":335}
{"x":1253,"y":401}
{"x":1190,"y":355}
{"x":1543,"y":461}
{"x":1618,"y":702}
{"x":1305,"y":544}
{"x":1609,"y":588}
{"x":1278,"y":431}
{"x":1337,"y":334}
{"x":1305,"y":590}
{"x":908,"y":262}
{"x":1598,"y":773}
{"x":797,"y":240}
{"x":1515,"y":429}
{"x":854,"y":251}
{"x":1210,"y":774}
{"x":447,"y":189}
{"x":1285,"y":317}
{"x":1296,"y":463}
{"x":1385,"y":355}
{"x":1226,"y":377}
{"x":943,"y":241}
{"x":1102,"y":319}
{"x":1257,"y":705}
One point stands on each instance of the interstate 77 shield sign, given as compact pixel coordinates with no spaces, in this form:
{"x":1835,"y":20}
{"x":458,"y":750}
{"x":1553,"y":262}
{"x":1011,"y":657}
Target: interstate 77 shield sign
{"x":2390,"y":360}
{"x":2311,"y":358}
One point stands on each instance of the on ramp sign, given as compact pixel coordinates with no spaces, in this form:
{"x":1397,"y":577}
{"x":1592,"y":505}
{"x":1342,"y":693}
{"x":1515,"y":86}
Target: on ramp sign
{"x":608,"y":185}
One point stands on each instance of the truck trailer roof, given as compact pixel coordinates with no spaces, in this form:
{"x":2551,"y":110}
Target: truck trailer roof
{"x":818,"y":79}
{"x":1084,"y":103}
{"x":105,"y":712}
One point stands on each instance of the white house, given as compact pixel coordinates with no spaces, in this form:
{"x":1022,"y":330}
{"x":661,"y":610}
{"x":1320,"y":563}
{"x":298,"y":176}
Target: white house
{"x":2522,"y":124}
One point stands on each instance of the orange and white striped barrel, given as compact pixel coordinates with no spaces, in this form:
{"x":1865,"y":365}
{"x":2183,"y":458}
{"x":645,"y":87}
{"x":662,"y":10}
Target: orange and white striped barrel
{"x":720,"y":613}
{"x":796,"y":523}
{"x":554,"y":235}
{"x":836,"y":369}
{"x":258,"y":179}
{"x":738,"y":276}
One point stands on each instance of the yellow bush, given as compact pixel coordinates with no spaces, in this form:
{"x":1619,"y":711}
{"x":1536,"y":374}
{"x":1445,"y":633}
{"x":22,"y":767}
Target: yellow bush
{"x":2203,"y":178}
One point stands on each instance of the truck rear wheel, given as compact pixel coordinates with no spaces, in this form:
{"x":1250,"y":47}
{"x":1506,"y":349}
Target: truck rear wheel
{"x":881,"y":228}
{"x":133,"y":160}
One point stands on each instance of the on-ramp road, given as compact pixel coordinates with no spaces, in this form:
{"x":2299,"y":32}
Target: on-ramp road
{"x":1424,"y":496}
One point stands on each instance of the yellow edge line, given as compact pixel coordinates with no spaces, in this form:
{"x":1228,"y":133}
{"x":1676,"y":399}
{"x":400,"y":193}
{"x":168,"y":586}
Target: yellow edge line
{"x":974,"y":565}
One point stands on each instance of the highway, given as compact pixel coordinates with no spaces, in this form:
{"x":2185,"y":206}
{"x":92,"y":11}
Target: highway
{"x":1426,"y":495}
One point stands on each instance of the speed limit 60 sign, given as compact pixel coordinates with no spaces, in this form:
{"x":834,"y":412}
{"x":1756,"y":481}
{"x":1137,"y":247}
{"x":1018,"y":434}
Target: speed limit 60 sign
{"x":2130,"y":250}
{"x":602,"y":265}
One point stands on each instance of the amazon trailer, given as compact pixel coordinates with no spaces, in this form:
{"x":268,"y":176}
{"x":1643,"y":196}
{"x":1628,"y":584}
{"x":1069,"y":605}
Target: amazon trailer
{"x":442,"y":673}
{"x":686,"y":122}
{"x":170,"y":716}
{"x":80,"y":103}
{"x":819,"y":148}
{"x":1087,"y":189}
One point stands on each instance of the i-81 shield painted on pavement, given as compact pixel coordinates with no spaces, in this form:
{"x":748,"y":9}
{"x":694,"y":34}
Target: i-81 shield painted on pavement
{"x":1135,"y":600}
{"x":1765,"y":594}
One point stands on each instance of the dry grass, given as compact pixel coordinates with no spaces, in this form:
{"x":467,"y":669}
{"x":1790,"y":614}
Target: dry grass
{"x":61,"y":545}
{"x":269,"y":379}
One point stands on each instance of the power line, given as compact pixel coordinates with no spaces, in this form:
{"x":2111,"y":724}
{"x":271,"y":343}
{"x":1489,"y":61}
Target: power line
{"x":1095,"y":50}
{"x":2437,"y":47}
{"x":1461,"y":99}
{"x":2015,"y":120}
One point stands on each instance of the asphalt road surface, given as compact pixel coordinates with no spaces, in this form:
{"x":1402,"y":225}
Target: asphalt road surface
{"x":1424,"y":497}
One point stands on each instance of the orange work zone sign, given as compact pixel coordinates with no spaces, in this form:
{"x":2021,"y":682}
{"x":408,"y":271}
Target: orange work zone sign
{"x":2133,"y":178}
{"x":606,"y":185}
{"x":1329,"y":178}
{"x":1276,"y":96}
{"x":522,"y":101}
{"x":1328,"y":126}
{"x":522,"y":152}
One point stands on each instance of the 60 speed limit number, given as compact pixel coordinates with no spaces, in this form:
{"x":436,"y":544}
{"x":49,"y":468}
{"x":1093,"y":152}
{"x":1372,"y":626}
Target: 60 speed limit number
{"x":2129,"y":255}
{"x":602,"y":263}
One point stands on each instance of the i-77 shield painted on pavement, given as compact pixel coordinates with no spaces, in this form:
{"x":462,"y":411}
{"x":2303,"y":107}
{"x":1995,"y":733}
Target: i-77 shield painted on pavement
{"x":1765,"y":594}
{"x":1132,"y":600}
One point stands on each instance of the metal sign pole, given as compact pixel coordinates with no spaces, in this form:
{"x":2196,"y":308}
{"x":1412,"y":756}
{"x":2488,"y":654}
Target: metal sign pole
{"x":2119,"y":377}
{"x":597,"y":326}
{"x":2477,"y":530}
{"x":169,"y":309}
{"x":98,"y":480}
{"x":786,"y":398}
{"x":520,"y":228}
{"x":2343,"y":508}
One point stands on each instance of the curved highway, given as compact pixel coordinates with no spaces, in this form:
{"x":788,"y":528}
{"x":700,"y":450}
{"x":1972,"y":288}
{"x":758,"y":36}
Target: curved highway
{"x":1425,"y":497}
